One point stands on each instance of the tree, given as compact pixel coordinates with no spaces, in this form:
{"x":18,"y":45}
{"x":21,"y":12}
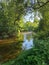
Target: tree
{"x":43,"y":29}
{"x":10,"y":14}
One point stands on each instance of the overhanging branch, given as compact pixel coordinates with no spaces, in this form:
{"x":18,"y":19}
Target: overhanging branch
{"x":40,"y":5}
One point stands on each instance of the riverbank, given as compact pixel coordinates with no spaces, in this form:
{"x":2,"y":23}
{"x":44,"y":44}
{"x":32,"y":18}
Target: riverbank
{"x":26,"y":32}
{"x":39,"y":54}
{"x":14,"y":39}
{"x":10,"y":40}
{"x":4,"y":41}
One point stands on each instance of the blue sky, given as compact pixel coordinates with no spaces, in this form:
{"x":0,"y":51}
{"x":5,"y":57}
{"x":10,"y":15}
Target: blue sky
{"x":29,"y":17}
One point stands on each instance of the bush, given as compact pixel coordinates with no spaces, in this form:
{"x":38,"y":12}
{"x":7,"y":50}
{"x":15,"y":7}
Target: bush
{"x":38,"y":55}
{"x":41,"y":35}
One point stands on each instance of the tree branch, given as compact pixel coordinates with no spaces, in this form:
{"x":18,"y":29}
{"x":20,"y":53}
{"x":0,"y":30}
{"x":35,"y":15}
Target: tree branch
{"x":40,"y":5}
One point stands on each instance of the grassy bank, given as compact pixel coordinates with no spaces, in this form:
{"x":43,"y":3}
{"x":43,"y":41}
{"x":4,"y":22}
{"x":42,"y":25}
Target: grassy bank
{"x":38,"y":55}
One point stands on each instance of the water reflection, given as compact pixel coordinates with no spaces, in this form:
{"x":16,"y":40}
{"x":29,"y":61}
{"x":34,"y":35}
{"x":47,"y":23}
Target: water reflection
{"x":10,"y":50}
{"x":28,"y":42}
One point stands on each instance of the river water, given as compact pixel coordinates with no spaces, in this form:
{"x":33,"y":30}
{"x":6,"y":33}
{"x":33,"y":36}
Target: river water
{"x":28,"y":41}
{"x":11,"y":50}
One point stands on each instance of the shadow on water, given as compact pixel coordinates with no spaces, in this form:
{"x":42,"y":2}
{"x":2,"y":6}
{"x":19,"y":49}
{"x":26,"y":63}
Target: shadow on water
{"x":11,"y":50}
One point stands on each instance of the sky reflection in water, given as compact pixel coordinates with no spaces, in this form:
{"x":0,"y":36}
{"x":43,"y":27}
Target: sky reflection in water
{"x":28,"y":42}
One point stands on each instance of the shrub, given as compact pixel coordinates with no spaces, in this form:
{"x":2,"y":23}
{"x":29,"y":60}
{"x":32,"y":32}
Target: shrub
{"x":38,"y":55}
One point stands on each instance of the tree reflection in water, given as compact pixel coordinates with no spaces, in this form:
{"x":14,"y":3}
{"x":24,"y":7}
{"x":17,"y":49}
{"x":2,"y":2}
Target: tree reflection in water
{"x":10,"y":50}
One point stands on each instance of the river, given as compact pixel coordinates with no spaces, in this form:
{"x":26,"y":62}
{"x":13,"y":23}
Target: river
{"x":28,"y":41}
{"x":10,"y":51}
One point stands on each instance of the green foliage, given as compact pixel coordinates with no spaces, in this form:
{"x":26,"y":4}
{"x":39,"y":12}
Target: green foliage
{"x":44,"y":22}
{"x":41,"y":35}
{"x":28,"y":26}
{"x":38,"y":55}
{"x":10,"y":15}
{"x":11,"y":23}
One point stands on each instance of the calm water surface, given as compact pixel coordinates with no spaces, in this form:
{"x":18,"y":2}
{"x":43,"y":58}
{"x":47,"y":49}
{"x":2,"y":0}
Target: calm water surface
{"x":28,"y":41}
{"x":11,"y":50}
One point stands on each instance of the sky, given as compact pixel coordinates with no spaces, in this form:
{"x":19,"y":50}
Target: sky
{"x":29,"y":17}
